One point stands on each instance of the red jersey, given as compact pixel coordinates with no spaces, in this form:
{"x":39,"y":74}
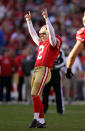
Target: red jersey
{"x":7,"y":64}
{"x":47,"y":54}
{"x":18,"y":62}
{"x":80,"y":35}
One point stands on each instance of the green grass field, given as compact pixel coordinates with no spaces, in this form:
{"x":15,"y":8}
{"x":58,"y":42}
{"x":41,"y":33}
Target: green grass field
{"x":19,"y":117}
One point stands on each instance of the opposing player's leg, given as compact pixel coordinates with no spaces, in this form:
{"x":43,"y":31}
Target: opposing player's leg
{"x":46,"y":95}
{"x":59,"y":93}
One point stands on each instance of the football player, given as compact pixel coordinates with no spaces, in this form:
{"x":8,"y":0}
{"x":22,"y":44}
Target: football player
{"x":79,"y":46}
{"x":49,"y":48}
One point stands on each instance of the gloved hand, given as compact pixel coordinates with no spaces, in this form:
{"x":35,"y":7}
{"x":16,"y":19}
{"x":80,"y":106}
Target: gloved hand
{"x":69,"y":73}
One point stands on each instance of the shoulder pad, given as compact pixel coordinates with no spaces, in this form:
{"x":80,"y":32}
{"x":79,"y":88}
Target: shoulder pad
{"x":80,"y":31}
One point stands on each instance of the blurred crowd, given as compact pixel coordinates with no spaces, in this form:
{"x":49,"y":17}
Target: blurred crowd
{"x":16,"y":43}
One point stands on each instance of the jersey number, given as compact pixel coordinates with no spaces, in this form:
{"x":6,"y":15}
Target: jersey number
{"x":41,"y":48}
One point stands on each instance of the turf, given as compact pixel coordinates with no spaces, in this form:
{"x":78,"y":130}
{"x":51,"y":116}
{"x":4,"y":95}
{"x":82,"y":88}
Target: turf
{"x":18,"y":118}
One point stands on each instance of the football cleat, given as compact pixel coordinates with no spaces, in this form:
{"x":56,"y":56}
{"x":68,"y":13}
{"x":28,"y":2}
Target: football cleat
{"x":42,"y":125}
{"x":34,"y":124}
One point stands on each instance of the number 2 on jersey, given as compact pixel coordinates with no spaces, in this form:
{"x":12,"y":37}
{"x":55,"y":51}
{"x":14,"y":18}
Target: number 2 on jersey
{"x":41,"y":48}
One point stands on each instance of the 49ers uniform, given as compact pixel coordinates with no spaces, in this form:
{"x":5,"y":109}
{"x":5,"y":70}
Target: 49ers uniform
{"x":46,"y":56}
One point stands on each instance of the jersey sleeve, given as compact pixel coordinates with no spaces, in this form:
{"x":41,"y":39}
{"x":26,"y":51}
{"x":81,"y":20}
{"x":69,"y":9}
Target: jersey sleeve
{"x":80,"y":35}
{"x":51,"y":32}
{"x":32,"y":32}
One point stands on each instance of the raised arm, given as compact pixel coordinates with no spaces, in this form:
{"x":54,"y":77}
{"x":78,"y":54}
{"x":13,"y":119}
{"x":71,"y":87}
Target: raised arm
{"x":75,"y":51}
{"x":31,"y":28}
{"x":50,"y":28}
{"x":72,"y":56}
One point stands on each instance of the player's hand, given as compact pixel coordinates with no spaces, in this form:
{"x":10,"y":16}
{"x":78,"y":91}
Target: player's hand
{"x":69,"y":73}
{"x":45,"y":14}
{"x":28,"y":16}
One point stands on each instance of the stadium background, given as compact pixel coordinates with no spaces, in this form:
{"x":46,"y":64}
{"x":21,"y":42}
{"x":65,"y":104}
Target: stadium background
{"x":65,"y":15}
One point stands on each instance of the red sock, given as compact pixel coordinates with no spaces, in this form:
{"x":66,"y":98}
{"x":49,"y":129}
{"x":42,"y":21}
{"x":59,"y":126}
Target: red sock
{"x":41,"y":115}
{"x":37,"y":104}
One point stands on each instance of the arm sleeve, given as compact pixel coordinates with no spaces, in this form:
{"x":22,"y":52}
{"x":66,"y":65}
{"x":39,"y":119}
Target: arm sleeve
{"x":51,"y":32}
{"x":33,"y":32}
